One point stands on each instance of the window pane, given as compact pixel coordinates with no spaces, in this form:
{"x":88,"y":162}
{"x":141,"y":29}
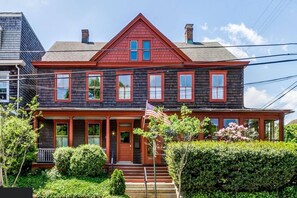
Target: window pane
{"x":217,"y":80}
{"x":211,"y":128}
{"x":155,"y":80}
{"x":271,"y":130}
{"x":133,"y":55}
{"x":185,"y":86}
{"x":61,"y":135}
{"x":94,"y":134}
{"x":62,"y":86}
{"x":125,"y":137}
{"x":94,"y":86}
{"x":4,"y":86}
{"x":227,"y":121}
{"x":146,"y":50}
{"x":133,"y":50}
{"x":124,"y":86}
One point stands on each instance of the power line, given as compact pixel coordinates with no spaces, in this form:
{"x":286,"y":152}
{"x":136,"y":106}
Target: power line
{"x":271,"y":80}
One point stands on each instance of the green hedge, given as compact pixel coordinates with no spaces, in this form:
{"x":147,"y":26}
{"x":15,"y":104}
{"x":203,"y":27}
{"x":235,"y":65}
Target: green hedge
{"x":62,"y":159}
{"x":87,"y":160}
{"x":240,"y":166}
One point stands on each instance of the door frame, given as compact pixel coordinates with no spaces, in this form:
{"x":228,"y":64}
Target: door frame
{"x":131,"y":135}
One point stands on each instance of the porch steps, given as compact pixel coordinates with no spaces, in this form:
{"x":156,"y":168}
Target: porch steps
{"x":137,"y":190}
{"x":135,"y":173}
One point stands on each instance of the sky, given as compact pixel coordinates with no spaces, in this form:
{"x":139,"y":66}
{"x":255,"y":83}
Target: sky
{"x":230,"y":22}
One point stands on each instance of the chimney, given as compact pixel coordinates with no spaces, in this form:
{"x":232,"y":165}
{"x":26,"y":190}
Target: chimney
{"x":85,"y":36}
{"x":189,"y":33}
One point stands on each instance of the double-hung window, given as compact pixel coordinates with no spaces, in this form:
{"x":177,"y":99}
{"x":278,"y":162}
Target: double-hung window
{"x":61,"y":134}
{"x":186,"y":86}
{"x":124,"y":86}
{"x":218,"y":86}
{"x":156,"y":87}
{"x":94,"y":86}
{"x":62,"y":86}
{"x":93,"y":133}
{"x":133,"y":50}
{"x":4,"y":86}
{"x":146,"y":53}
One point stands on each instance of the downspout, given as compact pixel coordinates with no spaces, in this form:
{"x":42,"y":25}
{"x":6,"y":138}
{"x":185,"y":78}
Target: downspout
{"x":18,"y":87}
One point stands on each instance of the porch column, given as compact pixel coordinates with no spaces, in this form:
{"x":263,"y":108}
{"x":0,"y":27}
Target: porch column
{"x":35,"y":126}
{"x":281,"y":127}
{"x":142,"y":123}
{"x":261,"y":129}
{"x":108,"y":139}
{"x":70,"y":131}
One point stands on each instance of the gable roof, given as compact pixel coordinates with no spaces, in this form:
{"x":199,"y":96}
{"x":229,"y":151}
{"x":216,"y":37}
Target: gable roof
{"x":77,"y":51}
{"x":138,"y":18}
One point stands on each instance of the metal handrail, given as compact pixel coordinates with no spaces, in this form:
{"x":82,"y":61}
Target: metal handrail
{"x":145,"y":181}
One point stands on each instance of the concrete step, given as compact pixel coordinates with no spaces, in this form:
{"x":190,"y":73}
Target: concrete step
{"x":164,"y":190}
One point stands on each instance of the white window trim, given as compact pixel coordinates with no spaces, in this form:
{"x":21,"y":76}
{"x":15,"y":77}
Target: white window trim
{"x":5,"y":73}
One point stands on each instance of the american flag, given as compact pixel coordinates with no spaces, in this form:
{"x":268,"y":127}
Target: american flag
{"x":150,"y":111}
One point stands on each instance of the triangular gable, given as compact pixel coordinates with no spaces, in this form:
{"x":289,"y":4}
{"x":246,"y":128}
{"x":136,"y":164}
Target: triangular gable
{"x":116,"y":50}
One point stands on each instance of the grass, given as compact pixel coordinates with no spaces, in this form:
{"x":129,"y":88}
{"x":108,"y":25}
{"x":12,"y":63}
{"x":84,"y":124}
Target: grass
{"x":66,"y":186}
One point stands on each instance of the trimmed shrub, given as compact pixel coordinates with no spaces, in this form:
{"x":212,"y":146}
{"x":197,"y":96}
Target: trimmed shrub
{"x":117,"y":183}
{"x":87,"y":160}
{"x":62,"y":159}
{"x":234,"y":166}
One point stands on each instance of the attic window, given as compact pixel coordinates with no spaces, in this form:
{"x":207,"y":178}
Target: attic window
{"x":133,"y":50}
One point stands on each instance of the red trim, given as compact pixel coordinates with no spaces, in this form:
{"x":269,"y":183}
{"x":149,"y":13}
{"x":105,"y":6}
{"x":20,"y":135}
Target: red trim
{"x":101,"y":87}
{"x":118,"y":73}
{"x":192,"y":73}
{"x":140,"y":17}
{"x":221,"y":72}
{"x":87,"y":122}
{"x":69,"y":86}
{"x":89,"y":64}
{"x":162,"y":86}
{"x":55,"y":133}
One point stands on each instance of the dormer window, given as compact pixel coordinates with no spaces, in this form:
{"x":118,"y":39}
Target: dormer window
{"x":133,"y":50}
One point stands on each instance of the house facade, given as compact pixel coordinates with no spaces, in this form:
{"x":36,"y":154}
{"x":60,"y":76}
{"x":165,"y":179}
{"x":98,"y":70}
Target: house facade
{"x":96,"y":92}
{"x":17,"y":43}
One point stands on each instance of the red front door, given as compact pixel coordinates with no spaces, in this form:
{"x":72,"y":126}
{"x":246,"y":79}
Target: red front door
{"x":125,"y":142}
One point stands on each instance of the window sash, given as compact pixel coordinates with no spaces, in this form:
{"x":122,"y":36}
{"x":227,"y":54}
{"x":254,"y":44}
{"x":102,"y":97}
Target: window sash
{"x":94,"y":134}
{"x":61,"y":135}
{"x":124,"y":87}
{"x":4,"y":87}
{"x":146,"y":54}
{"x":185,"y":86}
{"x":155,"y":87}
{"x":94,"y":86}
{"x":63,"y":84}
{"x":133,"y":50}
{"x":218,"y":87}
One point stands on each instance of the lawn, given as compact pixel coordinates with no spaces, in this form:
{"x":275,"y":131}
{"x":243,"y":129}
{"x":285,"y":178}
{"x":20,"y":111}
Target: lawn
{"x":45,"y":186}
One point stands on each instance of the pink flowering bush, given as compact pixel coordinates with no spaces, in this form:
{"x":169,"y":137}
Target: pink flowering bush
{"x":235,"y":133}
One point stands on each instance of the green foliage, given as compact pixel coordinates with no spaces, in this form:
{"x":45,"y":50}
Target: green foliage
{"x":220,"y":194}
{"x":87,"y":160}
{"x":53,"y":173}
{"x":62,"y":159}
{"x":233,"y":166}
{"x":291,"y":133}
{"x":17,"y":139}
{"x":117,"y":183}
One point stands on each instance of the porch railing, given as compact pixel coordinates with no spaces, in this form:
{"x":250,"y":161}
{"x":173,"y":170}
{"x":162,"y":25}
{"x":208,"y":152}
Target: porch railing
{"x":45,"y":155}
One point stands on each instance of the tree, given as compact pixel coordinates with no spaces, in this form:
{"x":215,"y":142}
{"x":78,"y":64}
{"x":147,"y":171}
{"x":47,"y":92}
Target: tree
{"x":182,"y":127}
{"x":17,"y":139}
{"x":291,"y":133}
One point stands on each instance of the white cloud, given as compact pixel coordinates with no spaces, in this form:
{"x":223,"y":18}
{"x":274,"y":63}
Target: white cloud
{"x":36,"y":3}
{"x":204,"y":27}
{"x":239,"y":32}
{"x":238,"y":52}
{"x":254,"y":98}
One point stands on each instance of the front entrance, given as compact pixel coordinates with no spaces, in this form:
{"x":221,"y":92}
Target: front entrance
{"x":125,"y":141}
